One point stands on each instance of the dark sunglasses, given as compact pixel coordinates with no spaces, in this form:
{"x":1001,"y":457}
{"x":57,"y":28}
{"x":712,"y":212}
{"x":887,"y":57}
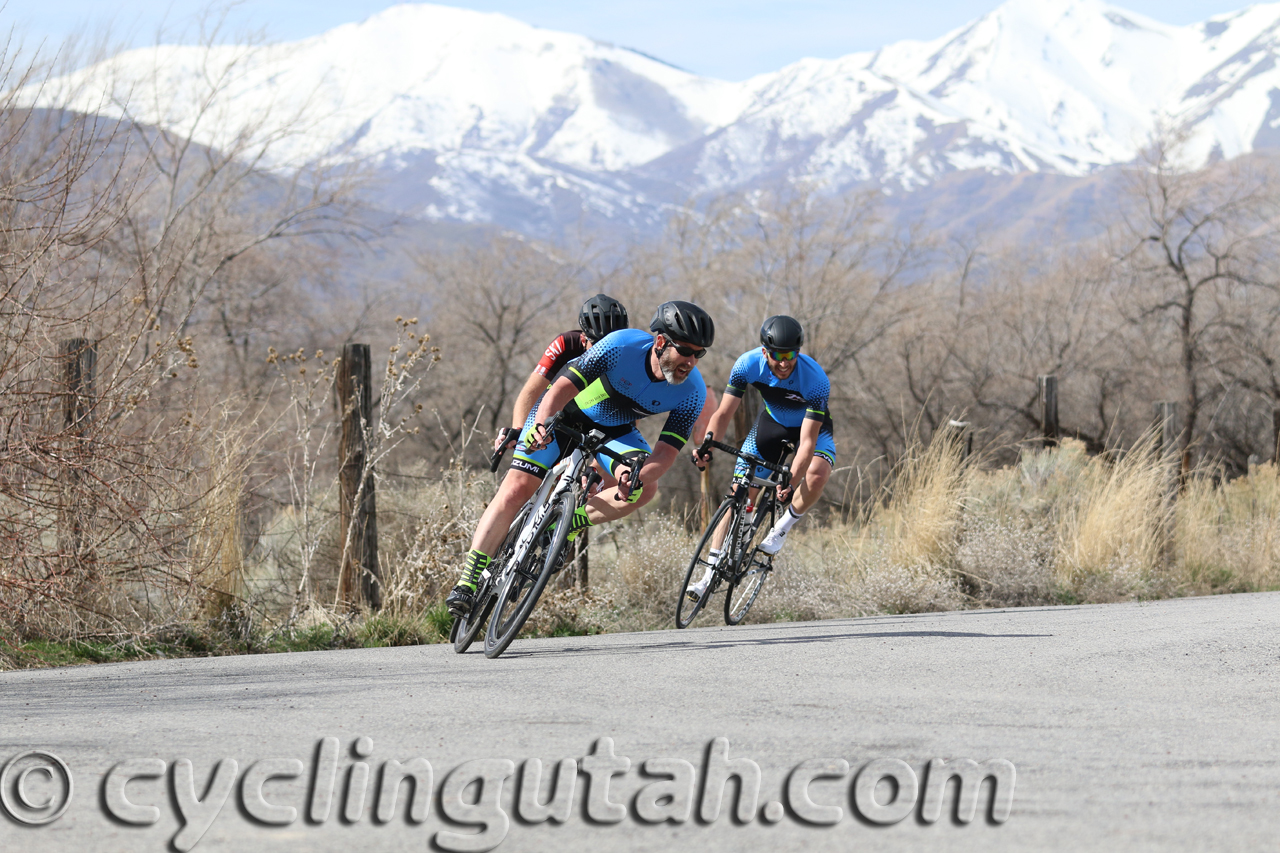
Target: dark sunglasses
{"x":783,"y":355}
{"x":686,"y":351}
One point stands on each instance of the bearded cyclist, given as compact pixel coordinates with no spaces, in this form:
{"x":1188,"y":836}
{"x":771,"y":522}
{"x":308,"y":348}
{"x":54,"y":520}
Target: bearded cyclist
{"x":600,"y":315}
{"x":628,"y":375}
{"x":795,"y":390}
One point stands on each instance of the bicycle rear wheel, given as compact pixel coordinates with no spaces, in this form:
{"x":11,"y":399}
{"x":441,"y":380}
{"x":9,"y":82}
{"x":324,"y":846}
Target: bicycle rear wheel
{"x":751,"y":573}
{"x":467,"y":628}
{"x":525,"y":582}
{"x":687,"y":609}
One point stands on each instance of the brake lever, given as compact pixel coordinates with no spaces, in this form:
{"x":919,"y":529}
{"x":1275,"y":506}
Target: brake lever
{"x":593,"y":477}
{"x":704,"y":451}
{"x":496,"y":459}
{"x":636,"y":484}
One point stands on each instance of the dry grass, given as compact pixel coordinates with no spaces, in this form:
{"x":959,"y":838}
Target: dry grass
{"x":1228,"y":534}
{"x":1112,"y":537}
{"x":1058,"y":527}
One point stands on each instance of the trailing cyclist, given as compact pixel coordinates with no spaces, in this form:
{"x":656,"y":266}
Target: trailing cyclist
{"x":628,"y":375}
{"x":600,"y":315}
{"x":795,"y":391}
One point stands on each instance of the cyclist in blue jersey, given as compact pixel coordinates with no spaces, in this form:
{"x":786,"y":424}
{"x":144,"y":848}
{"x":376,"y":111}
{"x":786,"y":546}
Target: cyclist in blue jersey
{"x":627,"y":375}
{"x":795,"y":390}
{"x":598,"y":316}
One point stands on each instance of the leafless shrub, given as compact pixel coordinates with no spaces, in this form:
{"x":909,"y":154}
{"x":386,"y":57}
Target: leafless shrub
{"x":121,"y":473}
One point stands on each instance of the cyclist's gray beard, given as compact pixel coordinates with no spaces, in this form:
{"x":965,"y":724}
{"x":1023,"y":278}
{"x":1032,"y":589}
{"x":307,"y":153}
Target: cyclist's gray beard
{"x":667,"y":361}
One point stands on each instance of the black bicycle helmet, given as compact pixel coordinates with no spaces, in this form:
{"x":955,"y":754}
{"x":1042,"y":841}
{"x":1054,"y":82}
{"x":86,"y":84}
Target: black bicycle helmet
{"x":781,"y":332}
{"x":601,"y":315}
{"x":684,"y":321}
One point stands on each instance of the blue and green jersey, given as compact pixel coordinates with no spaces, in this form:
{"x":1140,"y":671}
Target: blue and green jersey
{"x":616,"y":386}
{"x":801,"y":396}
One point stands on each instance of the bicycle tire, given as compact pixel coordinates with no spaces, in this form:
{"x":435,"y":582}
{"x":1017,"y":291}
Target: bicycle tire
{"x":753,"y":570}
{"x":467,"y":628}
{"x":699,"y":563}
{"x":520,"y":592}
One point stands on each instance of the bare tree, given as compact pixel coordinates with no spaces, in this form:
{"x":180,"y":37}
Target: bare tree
{"x":495,"y":308}
{"x":1197,"y":248}
{"x":130,"y":238}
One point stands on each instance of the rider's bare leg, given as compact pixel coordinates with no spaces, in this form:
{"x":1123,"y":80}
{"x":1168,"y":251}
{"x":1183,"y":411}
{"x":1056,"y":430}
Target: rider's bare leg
{"x":516,"y":489}
{"x":722,"y":529}
{"x":815,"y":480}
{"x":806,"y":496}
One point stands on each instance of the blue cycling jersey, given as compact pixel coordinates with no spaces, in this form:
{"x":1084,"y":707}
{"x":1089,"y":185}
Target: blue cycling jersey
{"x":616,"y":386}
{"x":801,"y":396}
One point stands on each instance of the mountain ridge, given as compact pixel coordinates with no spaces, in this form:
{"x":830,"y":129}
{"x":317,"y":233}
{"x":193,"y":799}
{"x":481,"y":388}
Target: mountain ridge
{"x":478,"y":117}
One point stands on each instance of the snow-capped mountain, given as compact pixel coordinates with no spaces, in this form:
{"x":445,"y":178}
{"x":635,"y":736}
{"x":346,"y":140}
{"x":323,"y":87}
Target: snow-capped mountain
{"x":1059,"y":85}
{"x":478,"y":117}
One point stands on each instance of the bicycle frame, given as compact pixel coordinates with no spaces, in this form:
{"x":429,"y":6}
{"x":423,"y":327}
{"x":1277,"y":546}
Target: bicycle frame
{"x":558,"y":481}
{"x":518,"y":583}
{"x":740,"y":528}
{"x":742,"y":484}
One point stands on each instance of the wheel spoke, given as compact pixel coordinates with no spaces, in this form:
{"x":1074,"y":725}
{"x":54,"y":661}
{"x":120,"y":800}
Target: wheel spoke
{"x":754,"y":567}
{"x":520,"y":592}
{"x":486,"y":596}
{"x":687,"y":609}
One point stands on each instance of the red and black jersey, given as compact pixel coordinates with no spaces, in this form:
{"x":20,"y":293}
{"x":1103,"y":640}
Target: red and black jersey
{"x":563,"y":349}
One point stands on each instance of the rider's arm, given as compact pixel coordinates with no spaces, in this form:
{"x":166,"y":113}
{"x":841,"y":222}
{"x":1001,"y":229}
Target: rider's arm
{"x":708,"y":411}
{"x":716,"y":424}
{"x":659,"y":461}
{"x":533,"y":386}
{"x":724,"y":414}
{"x":739,"y":380}
{"x":556,"y":398}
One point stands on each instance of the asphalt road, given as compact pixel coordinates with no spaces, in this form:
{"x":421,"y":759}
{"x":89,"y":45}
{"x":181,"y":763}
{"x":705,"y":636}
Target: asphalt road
{"x":1152,"y":726}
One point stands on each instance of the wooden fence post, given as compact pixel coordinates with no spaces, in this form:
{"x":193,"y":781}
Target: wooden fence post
{"x":1049,"y":409}
{"x":358,"y":572}
{"x":1166,"y":435}
{"x":1166,"y":428}
{"x":704,"y":489}
{"x":77,"y":361}
{"x":1275,"y":436}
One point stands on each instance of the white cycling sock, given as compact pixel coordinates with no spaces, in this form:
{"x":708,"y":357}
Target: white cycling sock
{"x":788,"y":519}
{"x":712,"y":556}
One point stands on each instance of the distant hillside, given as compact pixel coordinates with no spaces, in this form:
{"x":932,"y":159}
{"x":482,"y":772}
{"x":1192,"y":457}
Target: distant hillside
{"x":479,"y":118}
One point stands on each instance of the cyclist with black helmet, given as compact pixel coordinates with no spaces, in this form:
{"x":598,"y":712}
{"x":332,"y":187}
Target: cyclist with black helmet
{"x":795,"y":391}
{"x":599,"y":316}
{"x":628,"y":375}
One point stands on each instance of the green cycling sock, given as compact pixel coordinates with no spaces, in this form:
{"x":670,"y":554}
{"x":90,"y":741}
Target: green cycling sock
{"x":477,"y":562}
{"x":580,"y":522}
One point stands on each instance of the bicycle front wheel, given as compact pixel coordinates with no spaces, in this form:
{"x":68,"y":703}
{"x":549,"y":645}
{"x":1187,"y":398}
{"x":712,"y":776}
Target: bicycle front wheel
{"x":467,"y":628}
{"x":754,"y":568}
{"x":687,"y":608}
{"x":525,"y":582}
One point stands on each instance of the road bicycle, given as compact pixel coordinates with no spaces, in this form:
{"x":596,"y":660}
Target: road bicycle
{"x":465,"y":629}
{"x":537,"y":542}
{"x":741,"y":566}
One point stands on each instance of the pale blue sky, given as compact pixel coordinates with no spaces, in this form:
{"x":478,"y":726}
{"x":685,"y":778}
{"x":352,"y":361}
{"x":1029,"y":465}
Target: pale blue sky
{"x":730,"y":39}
